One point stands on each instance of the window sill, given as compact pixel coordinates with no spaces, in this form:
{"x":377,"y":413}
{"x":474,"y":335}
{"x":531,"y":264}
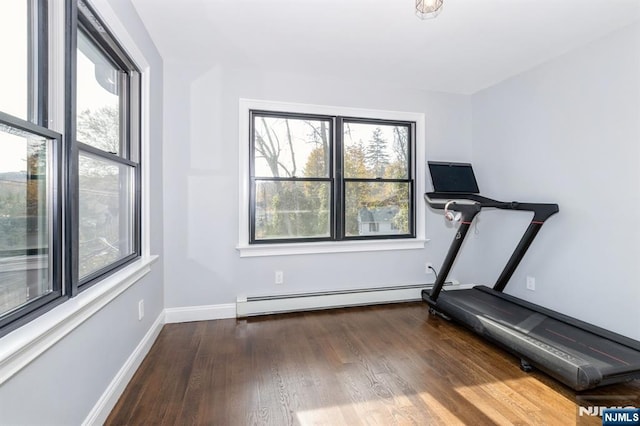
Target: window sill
{"x":20,"y":347}
{"x":329,"y":247}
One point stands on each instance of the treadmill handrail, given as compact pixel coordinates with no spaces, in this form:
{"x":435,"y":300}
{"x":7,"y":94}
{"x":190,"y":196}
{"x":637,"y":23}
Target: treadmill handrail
{"x":541,"y":211}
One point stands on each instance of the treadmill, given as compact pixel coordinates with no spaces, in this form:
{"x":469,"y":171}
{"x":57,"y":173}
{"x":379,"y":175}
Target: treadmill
{"x":576,"y":353}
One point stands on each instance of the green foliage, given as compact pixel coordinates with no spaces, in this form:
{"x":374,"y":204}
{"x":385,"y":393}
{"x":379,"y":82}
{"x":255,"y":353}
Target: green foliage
{"x":376,"y":156}
{"x":292,"y":210}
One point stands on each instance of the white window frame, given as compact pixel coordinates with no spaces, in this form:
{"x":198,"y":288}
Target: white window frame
{"x":294,"y":248}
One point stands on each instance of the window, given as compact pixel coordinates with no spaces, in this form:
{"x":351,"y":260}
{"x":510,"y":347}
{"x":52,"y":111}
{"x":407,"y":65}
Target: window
{"x":330,"y":178}
{"x":292,"y":174}
{"x":30,"y":247}
{"x":107,"y":140}
{"x":69,"y":200}
{"x":23,"y":27}
{"x":30,"y":176}
{"x":378,"y":178}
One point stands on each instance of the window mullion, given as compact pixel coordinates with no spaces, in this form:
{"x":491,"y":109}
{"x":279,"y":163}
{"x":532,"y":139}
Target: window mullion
{"x":71,"y":152}
{"x":133,"y":119}
{"x":37,"y":58}
{"x":338,"y":199}
{"x":124,"y":115}
{"x":412,"y":166}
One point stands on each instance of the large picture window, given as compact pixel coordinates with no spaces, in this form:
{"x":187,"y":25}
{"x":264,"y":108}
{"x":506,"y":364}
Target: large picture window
{"x":330,"y":178}
{"x":70,"y":203}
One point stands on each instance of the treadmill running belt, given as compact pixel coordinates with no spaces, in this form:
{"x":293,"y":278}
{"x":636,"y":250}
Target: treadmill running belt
{"x":607,"y":352}
{"x":575,"y":356}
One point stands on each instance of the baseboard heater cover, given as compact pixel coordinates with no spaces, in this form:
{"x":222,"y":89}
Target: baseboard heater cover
{"x":264,"y":305}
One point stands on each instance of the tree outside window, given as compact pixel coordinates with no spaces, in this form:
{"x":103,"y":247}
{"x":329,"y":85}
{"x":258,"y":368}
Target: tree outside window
{"x":310,"y":182}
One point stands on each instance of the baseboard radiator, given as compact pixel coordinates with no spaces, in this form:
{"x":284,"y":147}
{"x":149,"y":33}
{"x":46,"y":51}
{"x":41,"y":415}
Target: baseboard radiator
{"x":263,"y":305}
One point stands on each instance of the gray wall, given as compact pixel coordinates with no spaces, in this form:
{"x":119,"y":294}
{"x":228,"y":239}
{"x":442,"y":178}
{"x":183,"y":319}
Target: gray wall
{"x":62,"y":386}
{"x":202,"y":266}
{"x":568,"y":132}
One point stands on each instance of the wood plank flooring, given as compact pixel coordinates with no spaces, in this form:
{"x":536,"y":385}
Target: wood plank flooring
{"x":382,"y":365}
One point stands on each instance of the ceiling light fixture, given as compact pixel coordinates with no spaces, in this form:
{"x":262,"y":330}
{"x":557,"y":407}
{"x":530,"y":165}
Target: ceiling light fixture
{"x":428,"y":9}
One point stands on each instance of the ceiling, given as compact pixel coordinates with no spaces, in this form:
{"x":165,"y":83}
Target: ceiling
{"x":471,"y":45}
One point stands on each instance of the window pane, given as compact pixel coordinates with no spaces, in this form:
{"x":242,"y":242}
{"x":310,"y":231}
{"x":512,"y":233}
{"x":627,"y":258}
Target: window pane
{"x":376,"y":208}
{"x":376,"y":151}
{"x":25,"y":219}
{"x":105,"y":213}
{"x":98,"y":98}
{"x":288,"y":147}
{"x":292,"y":210}
{"x":14,"y":72}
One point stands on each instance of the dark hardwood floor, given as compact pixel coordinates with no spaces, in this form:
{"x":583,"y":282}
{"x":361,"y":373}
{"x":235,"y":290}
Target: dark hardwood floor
{"x":382,"y":365}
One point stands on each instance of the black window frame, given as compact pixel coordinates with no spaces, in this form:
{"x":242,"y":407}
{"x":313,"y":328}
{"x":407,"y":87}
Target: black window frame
{"x":336,"y":177}
{"x":36,"y":123}
{"x":79,"y":15}
{"x":84,"y":18}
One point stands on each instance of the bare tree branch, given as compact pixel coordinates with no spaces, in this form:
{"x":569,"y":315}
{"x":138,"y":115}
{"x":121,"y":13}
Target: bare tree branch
{"x":293,"y":153}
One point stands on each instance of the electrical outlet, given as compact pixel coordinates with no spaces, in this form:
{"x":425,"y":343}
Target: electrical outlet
{"x":427,"y":268}
{"x":279,"y":277}
{"x":531,"y":283}
{"x":140,"y":310}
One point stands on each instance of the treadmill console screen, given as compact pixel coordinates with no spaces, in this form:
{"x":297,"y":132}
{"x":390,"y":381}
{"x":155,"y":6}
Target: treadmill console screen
{"x":453,"y":177}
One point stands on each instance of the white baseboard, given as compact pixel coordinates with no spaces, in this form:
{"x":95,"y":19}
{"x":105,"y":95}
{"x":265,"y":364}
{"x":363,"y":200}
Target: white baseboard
{"x":109,"y":398}
{"x":262,"y":305}
{"x":200,"y":313}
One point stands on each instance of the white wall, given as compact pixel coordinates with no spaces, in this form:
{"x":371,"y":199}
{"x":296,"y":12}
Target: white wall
{"x":63,"y":385}
{"x":567,"y":132}
{"x":202,"y":266}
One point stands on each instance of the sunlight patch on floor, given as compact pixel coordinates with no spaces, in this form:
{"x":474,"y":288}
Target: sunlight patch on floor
{"x":484,"y":403}
{"x":383,"y":412}
{"x":443,"y":413}
{"x":322,"y":416}
{"x":489,"y":397}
